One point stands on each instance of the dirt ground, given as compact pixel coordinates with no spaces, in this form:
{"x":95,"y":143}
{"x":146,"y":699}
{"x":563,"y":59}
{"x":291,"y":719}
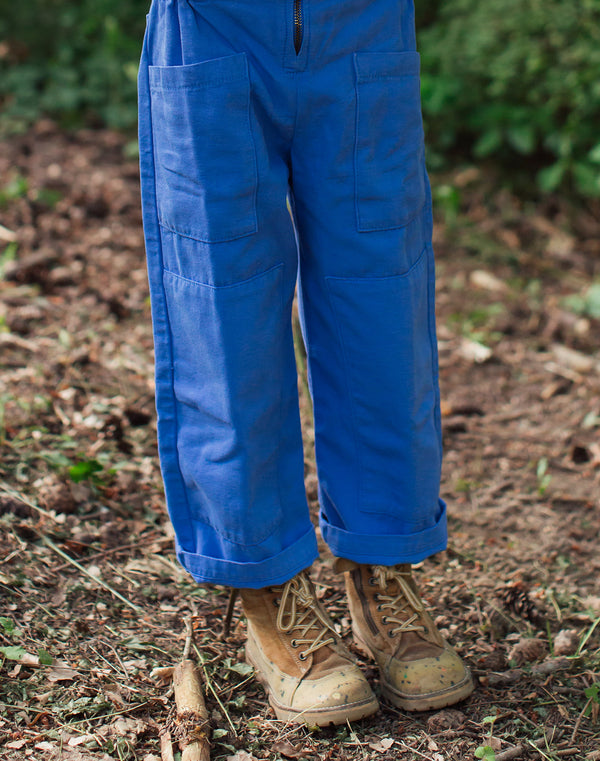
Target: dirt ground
{"x":91,"y":596}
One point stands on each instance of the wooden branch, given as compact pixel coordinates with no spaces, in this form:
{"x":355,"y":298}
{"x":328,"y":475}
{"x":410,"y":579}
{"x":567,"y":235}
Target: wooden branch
{"x":166,"y":747}
{"x":191,"y":712}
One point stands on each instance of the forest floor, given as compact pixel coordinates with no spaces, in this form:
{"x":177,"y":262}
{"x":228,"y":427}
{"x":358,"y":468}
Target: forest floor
{"x":91,"y":595}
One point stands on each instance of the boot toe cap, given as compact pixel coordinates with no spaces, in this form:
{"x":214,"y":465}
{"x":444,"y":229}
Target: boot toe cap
{"x":431,"y":682}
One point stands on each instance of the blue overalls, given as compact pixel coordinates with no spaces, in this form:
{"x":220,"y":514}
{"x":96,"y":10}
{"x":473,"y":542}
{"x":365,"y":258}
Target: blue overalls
{"x":244,"y":103}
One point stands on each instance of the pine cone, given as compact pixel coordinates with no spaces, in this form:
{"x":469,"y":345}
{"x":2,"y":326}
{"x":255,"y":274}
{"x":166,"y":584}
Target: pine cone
{"x":516,"y":599}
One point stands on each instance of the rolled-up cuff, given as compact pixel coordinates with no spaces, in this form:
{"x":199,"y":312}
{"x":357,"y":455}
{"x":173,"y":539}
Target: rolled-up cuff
{"x":387,"y":549}
{"x":275,"y":570}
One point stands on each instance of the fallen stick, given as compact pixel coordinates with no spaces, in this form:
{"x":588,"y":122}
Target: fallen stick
{"x":166,"y":747}
{"x":191,"y":726}
{"x":191,"y":712}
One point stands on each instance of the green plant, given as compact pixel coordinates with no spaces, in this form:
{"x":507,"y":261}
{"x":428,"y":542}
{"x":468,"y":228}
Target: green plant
{"x":586,"y":304}
{"x":511,"y":78}
{"x":77,"y":63}
{"x":543,"y":477}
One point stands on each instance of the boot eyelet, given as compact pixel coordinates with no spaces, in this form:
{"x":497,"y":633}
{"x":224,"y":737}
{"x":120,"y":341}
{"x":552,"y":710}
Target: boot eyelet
{"x":384,"y":619}
{"x":302,"y":656}
{"x":294,"y":643}
{"x":372,"y":581}
{"x":379,"y":607}
{"x":392,"y":635}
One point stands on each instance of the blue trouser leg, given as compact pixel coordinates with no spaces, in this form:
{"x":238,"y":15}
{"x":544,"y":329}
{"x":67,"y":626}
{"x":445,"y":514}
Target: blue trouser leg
{"x":232,"y":118}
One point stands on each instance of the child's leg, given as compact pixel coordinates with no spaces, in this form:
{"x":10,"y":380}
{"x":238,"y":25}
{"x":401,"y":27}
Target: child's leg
{"x":222,"y":262}
{"x":362,"y":208}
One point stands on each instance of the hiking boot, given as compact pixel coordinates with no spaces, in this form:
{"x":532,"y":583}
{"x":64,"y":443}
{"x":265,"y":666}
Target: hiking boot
{"x":308,"y":674}
{"x":419,"y":671}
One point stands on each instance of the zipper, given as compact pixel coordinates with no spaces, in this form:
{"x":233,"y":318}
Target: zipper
{"x":297,"y":25}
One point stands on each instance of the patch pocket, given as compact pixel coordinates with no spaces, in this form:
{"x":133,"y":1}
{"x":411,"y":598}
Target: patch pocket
{"x":206,"y":157}
{"x":389,"y":158}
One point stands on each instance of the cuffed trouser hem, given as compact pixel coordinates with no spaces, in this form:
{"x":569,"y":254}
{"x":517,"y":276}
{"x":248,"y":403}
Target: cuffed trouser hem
{"x":275,"y":570}
{"x":387,"y":549}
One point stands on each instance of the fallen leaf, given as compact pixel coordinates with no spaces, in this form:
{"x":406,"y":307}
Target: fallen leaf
{"x":474,"y":351}
{"x":16,"y":744}
{"x":382,"y":745}
{"x":241,"y":755}
{"x":484,"y":279}
{"x":286,"y":749}
{"x":59,"y":673}
{"x":566,"y":642}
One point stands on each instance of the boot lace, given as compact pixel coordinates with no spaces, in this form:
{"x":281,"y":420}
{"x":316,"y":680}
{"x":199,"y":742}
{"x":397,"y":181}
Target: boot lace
{"x":405,"y":607}
{"x":299,"y":611}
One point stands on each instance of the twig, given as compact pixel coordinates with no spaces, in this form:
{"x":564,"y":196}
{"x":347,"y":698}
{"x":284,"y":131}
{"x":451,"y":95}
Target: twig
{"x":49,"y":543}
{"x":509,"y":753}
{"x":116,"y":550}
{"x":229,"y":614}
{"x":216,"y":697}
{"x":6,"y":489}
{"x":189,"y":636}
{"x":578,"y":722}
{"x":166,"y":746}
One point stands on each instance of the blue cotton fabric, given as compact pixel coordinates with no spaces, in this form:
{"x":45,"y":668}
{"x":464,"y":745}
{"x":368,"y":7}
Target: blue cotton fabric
{"x":232,"y":122}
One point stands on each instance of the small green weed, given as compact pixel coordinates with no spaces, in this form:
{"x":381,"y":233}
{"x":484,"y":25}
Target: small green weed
{"x":543,"y":477}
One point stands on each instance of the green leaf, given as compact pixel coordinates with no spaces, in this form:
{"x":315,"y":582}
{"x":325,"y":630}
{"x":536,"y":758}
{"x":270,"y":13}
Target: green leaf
{"x":243,"y":669}
{"x":594,"y":154}
{"x":13,"y":652}
{"x":45,"y":658}
{"x":550,"y":178}
{"x":489,"y":142}
{"x":522,"y":138}
{"x":7,"y":624}
{"x":486,"y":752}
{"x":592,"y":301}
{"x":83,"y":470}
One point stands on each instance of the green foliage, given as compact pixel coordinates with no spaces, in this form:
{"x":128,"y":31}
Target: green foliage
{"x":511,"y":78}
{"x":587,"y":303}
{"x":77,"y":62}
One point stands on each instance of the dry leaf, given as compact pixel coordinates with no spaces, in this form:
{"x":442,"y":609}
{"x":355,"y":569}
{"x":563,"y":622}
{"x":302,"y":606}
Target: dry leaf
{"x":566,"y":642}
{"x":241,"y":755}
{"x":527,"y":650}
{"x":449,"y":718}
{"x":286,"y":749}
{"x":382,"y":745}
{"x":484,"y":279}
{"x":474,"y":351}
{"x":60,"y":673}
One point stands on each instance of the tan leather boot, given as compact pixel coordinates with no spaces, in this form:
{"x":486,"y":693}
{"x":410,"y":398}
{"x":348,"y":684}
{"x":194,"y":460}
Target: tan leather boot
{"x":419,"y":671}
{"x":309,"y":675}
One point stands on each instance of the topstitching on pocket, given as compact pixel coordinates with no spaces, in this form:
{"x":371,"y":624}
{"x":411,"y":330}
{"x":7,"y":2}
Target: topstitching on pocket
{"x":389,"y":158}
{"x":206,"y":158}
